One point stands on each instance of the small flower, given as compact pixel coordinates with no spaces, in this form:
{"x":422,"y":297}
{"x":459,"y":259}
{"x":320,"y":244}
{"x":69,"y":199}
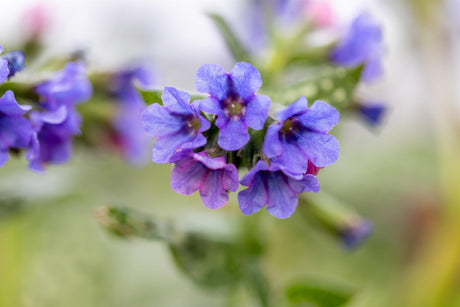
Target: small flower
{"x":15,"y":61}
{"x":372,"y":113}
{"x":362,"y":44}
{"x":302,"y":136}
{"x":52,"y":141}
{"x":67,"y":87}
{"x":355,"y":233}
{"x":15,"y":130}
{"x":213,"y":177}
{"x":177,"y":125}
{"x":234,"y":102}
{"x":268,"y":185}
{"x":129,"y":130}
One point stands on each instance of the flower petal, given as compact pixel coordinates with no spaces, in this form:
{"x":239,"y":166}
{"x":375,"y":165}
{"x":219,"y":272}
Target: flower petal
{"x":282,"y":200}
{"x":257,"y":111}
{"x":233,"y":136}
{"x":246,"y":79}
{"x":272,"y":145}
{"x":230,"y":178}
{"x":321,"y":149}
{"x":298,"y":106}
{"x":158,"y":122}
{"x":253,"y":198}
{"x":10,"y":107}
{"x":320,"y":117}
{"x":292,"y":161}
{"x":166,"y":146}
{"x":198,"y":141}
{"x":250,"y":175}
{"x":212,"y":193}
{"x":4,"y":157}
{"x":308,"y":184}
{"x":212,"y":163}
{"x":212,"y":79}
{"x":4,"y":71}
{"x":187,"y":178}
{"x":176,"y":101}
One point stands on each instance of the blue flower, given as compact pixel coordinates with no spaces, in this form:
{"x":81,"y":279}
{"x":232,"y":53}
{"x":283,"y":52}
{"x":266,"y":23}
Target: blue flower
{"x":355,"y":233}
{"x":67,"y":87}
{"x":362,"y":44}
{"x":302,"y":136}
{"x":234,"y":102}
{"x":176,"y":125}
{"x":15,"y":61}
{"x":52,"y":140}
{"x":15,"y":130}
{"x":4,"y":71}
{"x":213,"y":177}
{"x":268,"y":185}
{"x":127,"y":124}
{"x":372,"y":113}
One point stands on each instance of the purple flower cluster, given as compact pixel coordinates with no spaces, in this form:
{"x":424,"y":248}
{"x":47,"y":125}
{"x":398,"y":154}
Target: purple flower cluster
{"x":294,"y":148}
{"x":58,"y":122}
{"x":361,"y":44}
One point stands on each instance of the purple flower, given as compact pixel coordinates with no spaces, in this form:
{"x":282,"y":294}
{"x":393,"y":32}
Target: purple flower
{"x":52,"y":141}
{"x":233,"y":101}
{"x":302,"y":136}
{"x":268,"y":185}
{"x":372,"y":113}
{"x":15,"y":130}
{"x":15,"y":61}
{"x":127,"y":124}
{"x":213,"y":177}
{"x":354,"y":234}
{"x":176,"y":125}
{"x":362,"y":44}
{"x":67,"y":87}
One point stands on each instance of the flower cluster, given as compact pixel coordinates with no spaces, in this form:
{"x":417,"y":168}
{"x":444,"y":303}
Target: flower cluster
{"x":46,"y":129}
{"x":207,"y":139}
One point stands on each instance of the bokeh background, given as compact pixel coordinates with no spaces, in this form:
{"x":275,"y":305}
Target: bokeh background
{"x":403,"y":176}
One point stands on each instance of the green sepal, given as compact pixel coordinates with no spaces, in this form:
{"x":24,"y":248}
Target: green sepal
{"x":236,"y":48}
{"x":154,"y":96}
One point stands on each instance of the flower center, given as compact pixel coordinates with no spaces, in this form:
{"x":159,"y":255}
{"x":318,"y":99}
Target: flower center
{"x":234,"y":107}
{"x":194,"y":124}
{"x":288,"y":126}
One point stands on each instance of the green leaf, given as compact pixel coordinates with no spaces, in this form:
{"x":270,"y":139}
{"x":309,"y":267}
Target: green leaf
{"x":335,"y":86}
{"x":237,"y":50}
{"x":151,"y":97}
{"x":319,"y":294}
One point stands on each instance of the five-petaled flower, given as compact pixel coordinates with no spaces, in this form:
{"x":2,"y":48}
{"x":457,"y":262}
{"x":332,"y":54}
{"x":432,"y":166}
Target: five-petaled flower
{"x":302,"y":136}
{"x":213,"y":177}
{"x":176,"y":125}
{"x":268,"y":185}
{"x":234,"y":102}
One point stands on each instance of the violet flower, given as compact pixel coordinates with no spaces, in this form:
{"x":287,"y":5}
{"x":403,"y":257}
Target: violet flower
{"x":67,"y":87}
{"x":15,"y":130}
{"x":362,"y":44}
{"x":176,"y":125}
{"x":127,"y":124}
{"x":234,"y":102}
{"x":213,"y":177}
{"x":302,"y":136}
{"x":372,"y":113}
{"x":268,"y":185}
{"x":52,"y":140}
{"x":15,"y":61}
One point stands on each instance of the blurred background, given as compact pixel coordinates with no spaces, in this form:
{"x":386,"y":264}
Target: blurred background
{"x":403,"y":176}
